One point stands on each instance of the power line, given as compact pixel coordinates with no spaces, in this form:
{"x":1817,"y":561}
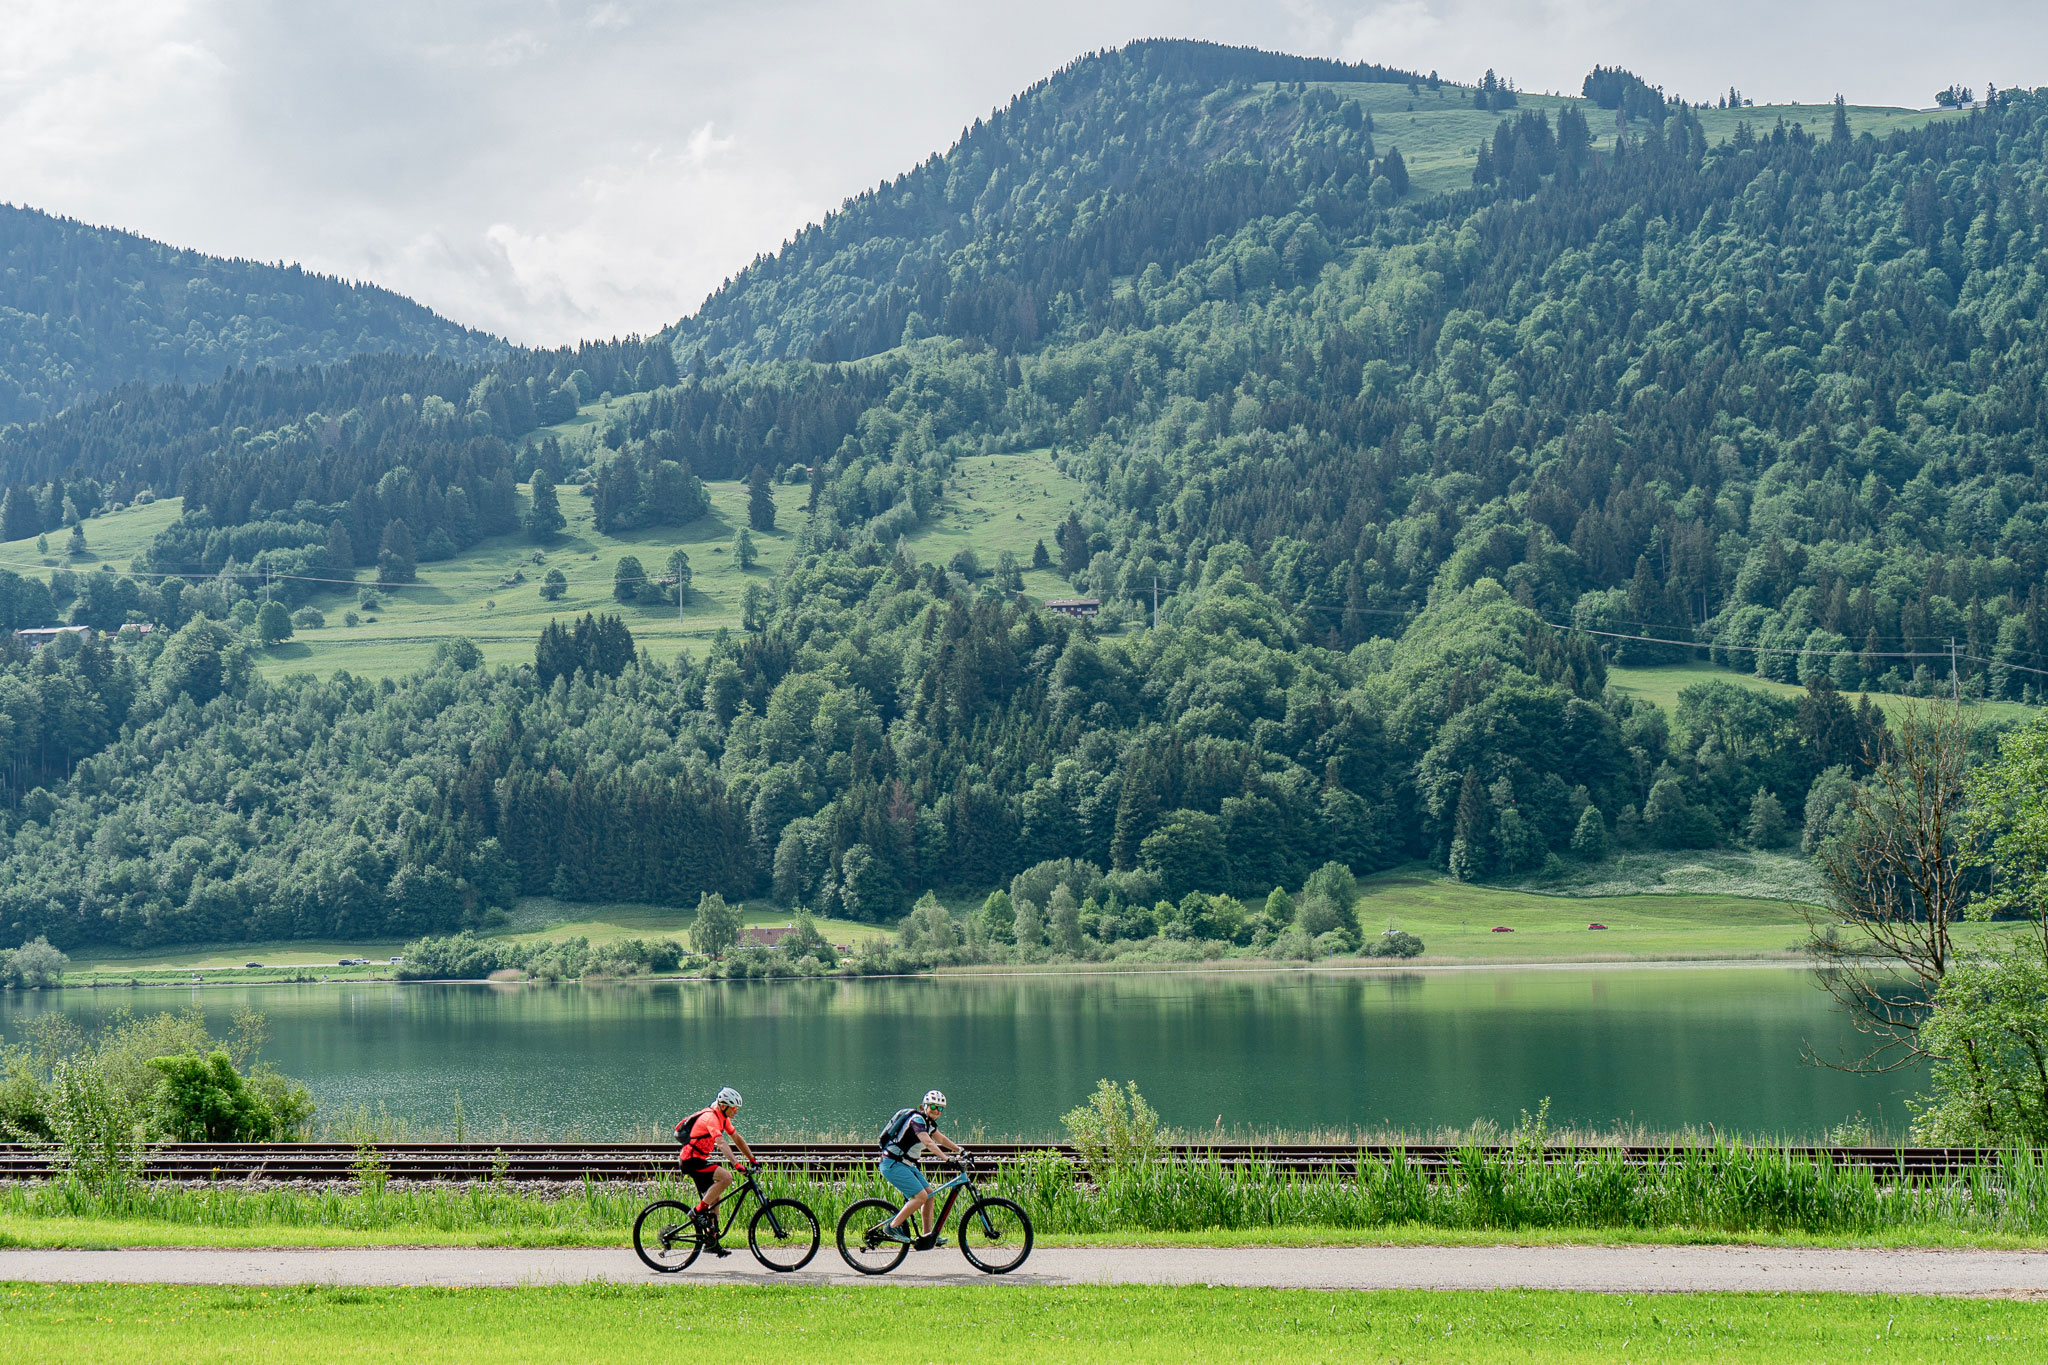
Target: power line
{"x":1755,"y":649}
{"x":1951,"y":655}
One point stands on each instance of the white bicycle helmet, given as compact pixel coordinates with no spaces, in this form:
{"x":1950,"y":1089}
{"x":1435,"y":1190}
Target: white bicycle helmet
{"x":728,"y":1096}
{"x":935,"y":1099}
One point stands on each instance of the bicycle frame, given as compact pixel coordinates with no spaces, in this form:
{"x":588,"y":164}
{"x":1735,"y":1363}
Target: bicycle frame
{"x":735,"y":1197}
{"x":951,"y":1189}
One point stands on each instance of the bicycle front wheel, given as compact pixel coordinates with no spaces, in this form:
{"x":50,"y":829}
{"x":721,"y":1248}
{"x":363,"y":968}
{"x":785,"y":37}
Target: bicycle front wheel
{"x":784,"y":1235}
{"x":995,"y":1235}
{"x":665,"y":1237}
{"x":861,"y":1243}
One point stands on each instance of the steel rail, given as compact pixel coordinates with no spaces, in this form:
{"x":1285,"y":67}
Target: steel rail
{"x":575,"y":1161}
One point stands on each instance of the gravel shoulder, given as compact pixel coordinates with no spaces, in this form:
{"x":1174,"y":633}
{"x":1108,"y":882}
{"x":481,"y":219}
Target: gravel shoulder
{"x":1631,"y":1269}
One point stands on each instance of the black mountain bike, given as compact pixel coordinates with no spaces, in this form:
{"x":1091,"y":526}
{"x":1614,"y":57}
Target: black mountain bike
{"x":995,"y":1233}
{"x":783,"y":1233}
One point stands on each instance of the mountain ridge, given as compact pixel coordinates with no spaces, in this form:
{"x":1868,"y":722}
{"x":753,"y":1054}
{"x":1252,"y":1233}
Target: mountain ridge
{"x":1403,"y":470}
{"x":85,"y":309}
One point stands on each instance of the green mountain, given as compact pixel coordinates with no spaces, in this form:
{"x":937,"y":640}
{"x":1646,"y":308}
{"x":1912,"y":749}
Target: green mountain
{"x":1420,"y":408}
{"x":86,"y":309}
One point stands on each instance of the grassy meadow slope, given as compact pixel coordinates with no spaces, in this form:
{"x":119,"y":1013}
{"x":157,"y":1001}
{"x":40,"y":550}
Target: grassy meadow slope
{"x":1439,"y":131}
{"x":995,"y":503}
{"x":1662,"y":686}
{"x":474,"y":595}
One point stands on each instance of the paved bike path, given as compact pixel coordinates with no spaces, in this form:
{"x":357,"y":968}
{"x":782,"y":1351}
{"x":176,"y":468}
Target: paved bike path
{"x":1630,"y":1269}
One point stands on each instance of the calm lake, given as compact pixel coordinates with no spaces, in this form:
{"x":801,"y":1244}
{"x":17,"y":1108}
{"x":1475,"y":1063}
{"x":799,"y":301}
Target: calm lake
{"x":1658,"y":1046}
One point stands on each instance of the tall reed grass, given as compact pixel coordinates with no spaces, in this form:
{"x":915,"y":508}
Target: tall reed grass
{"x":1728,"y":1187}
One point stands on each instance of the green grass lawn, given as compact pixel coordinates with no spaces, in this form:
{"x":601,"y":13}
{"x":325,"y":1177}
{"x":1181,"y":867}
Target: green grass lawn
{"x":1662,"y":686}
{"x":1455,"y":921}
{"x":995,"y":1322}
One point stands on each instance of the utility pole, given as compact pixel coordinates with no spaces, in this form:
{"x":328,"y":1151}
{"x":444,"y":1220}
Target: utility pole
{"x":1155,"y":601}
{"x":1955,"y":682}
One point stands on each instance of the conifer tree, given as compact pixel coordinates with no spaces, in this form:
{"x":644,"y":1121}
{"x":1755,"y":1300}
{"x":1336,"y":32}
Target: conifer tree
{"x":341,"y":553}
{"x":1029,"y":926}
{"x":760,"y":500}
{"x":544,"y":520}
{"x":1589,"y":839}
{"x":397,"y":559}
{"x":555,"y":656}
{"x":1395,"y":169}
{"x":1767,"y":826}
{"x":1073,"y":545}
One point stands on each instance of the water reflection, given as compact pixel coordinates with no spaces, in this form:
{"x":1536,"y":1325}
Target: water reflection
{"x":1662,"y":1047}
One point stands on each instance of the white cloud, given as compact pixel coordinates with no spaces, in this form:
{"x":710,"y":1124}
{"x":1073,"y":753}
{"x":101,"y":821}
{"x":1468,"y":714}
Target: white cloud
{"x":1397,"y":34}
{"x":511,"y":49}
{"x":552,"y":169}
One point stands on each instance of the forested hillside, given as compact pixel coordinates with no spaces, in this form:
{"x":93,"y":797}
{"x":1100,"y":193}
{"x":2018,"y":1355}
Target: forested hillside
{"x":87,"y":309}
{"x":1406,"y":471}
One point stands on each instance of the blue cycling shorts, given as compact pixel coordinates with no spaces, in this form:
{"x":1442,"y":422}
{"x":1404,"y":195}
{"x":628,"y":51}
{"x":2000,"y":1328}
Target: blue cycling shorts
{"x":904,"y":1177}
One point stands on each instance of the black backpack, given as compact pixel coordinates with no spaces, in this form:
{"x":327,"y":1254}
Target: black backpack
{"x":893,"y":1133}
{"x":684,"y":1126}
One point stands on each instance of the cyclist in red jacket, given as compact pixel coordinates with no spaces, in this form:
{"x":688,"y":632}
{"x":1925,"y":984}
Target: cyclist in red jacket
{"x":702,"y":1135}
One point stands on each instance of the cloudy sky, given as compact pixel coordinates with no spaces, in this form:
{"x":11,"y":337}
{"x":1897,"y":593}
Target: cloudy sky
{"x":555,"y":169}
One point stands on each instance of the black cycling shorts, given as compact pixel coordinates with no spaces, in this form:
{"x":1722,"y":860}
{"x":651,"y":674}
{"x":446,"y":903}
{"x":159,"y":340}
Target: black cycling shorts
{"x":699,"y":1170}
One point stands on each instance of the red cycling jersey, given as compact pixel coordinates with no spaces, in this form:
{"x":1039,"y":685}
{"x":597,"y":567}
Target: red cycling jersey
{"x":700,"y":1132}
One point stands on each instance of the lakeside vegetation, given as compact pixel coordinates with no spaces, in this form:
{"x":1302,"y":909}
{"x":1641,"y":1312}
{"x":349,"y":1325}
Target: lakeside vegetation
{"x":1711,"y":1192}
{"x":1014,"y":1323}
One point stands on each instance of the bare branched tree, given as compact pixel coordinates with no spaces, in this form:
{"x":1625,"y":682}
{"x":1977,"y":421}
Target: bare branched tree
{"x":1898,"y":880}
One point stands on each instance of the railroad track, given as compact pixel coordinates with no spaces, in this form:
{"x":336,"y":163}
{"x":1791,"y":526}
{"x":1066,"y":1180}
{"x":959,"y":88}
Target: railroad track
{"x":575,"y":1161}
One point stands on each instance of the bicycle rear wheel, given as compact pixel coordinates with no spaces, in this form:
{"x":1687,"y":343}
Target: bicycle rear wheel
{"x":995,"y":1235}
{"x":665,"y":1236}
{"x":861,"y":1244}
{"x":784,"y":1235}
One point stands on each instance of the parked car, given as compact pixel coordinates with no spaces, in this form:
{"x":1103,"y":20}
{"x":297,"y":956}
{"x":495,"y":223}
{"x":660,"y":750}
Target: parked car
{"x":1502,"y":929}
{"x":1596,"y":926}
